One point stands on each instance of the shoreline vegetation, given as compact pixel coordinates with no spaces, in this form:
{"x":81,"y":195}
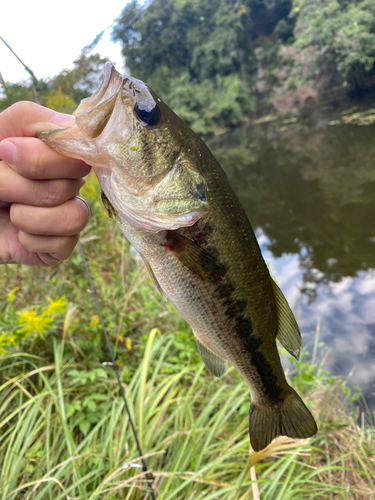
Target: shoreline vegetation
{"x":63,"y":430}
{"x":219,"y":64}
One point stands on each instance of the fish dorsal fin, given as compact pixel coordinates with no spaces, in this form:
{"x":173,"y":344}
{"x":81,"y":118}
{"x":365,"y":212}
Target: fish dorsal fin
{"x":214,"y":364}
{"x":153,"y":277}
{"x":288,"y":332}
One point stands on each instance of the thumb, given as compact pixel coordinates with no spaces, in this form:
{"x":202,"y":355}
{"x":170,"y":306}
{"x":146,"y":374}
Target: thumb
{"x":25,"y":119}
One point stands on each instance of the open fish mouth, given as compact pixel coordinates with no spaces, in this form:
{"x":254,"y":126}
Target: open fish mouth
{"x":109,"y":86}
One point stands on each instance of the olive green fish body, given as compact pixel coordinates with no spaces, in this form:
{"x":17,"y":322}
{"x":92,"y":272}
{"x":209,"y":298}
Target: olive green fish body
{"x":213,"y":289}
{"x":174,"y":204}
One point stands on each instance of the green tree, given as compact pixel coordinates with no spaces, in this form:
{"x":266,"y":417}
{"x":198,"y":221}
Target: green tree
{"x":80,"y":81}
{"x":64,"y":91}
{"x":14,"y":92}
{"x":199,"y":55}
{"x":61,"y":102}
{"x":334,"y":42}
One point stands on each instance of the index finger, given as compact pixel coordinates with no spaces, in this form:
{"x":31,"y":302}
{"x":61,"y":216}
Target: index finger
{"x":25,"y":119}
{"x":32,"y":158}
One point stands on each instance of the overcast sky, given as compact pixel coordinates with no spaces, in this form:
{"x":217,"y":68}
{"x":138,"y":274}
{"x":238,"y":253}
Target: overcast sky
{"x":48,"y":36}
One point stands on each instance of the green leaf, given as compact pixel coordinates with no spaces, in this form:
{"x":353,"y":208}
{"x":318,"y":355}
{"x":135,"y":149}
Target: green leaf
{"x":84,"y":426}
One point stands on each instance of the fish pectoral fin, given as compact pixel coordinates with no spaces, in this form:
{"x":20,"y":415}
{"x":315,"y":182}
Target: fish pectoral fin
{"x":290,"y":417}
{"x":214,"y":364}
{"x":288,"y":332}
{"x":153,"y":277}
{"x":194,"y":257}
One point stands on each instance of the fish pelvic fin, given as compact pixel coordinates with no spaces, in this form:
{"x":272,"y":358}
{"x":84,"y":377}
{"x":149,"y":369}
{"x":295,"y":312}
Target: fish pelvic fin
{"x":288,"y":333}
{"x":289,"y":417}
{"x":214,"y":364}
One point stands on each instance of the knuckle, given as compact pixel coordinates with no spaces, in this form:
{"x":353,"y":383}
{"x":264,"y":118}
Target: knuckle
{"x":66,"y":246}
{"x":16,"y":215}
{"x":60,"y":245}
{"x":53,"y":193}
{"x":18,"y":106}
{"x":24,"y":240}
{"x":78,"y":216}
{"x":79,"y":222}
{"x":37,"y":167}
{"x":21,"y":108}
{"x":70,"y":220}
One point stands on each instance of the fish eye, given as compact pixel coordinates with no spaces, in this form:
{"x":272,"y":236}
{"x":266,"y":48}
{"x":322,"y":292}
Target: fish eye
{"x":147,"y":111}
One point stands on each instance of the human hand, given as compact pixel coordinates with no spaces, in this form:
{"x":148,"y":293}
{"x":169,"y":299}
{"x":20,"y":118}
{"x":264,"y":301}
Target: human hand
{"x":40,"y":214}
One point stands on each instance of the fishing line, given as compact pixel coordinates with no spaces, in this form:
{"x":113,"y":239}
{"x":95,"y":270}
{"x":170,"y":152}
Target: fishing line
{"x":144,"y":467}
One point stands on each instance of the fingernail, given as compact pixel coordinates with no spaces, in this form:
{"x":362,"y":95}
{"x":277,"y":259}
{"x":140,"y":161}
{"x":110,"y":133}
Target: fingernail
{"x":63,"y":120}
{"x":8,"y":152}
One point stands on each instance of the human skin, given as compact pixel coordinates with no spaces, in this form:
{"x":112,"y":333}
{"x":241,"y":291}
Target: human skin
{"x":40,"y":214}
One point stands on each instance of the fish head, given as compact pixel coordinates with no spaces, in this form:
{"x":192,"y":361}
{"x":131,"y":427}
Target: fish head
{"x":144,"y":156}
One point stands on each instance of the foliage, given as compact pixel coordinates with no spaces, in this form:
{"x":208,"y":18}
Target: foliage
{"x":341,"y":34}
{"x":224,"y":100}
{"x":219,"y":62}
{"x":276,"y":51}
{"x":15,"y":92}
{"x":200,"y":55}
{"x":16,"y":327}
{"x":61,"y":102}
{"x":62,"y":92}
{"x":334,"y":46}
{"x":64,"y":433}
{"x":82,"y":79}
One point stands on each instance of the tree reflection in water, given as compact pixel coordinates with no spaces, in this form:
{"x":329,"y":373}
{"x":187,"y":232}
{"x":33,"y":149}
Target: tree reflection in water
{"x":309,"y":191}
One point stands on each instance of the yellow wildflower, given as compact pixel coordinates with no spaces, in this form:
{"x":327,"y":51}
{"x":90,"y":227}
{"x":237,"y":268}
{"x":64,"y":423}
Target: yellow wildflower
{"x":33,"y":323}
{"x":128,"y":343}
{"x":94,"y":320}
{"x":58,"y":305}
{"x":12,"y":293}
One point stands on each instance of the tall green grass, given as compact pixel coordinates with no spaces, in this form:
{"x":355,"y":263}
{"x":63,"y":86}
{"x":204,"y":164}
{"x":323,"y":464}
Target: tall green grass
{"x":193,"y":430}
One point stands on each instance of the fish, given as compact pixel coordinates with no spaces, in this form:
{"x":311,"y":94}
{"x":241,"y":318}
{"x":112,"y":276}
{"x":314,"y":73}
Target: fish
{"x":173,"y":202}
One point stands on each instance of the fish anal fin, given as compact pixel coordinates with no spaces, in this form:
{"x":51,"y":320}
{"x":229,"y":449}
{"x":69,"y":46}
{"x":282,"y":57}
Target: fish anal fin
{"x":153,"y":277}
{"x":288,"y":332}
{"x":194,"y":257}
{"x":214,"y":364}
{"x":289,"y":418}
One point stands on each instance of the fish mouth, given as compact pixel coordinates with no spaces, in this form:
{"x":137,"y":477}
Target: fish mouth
{"x":91,"y":119}
{"x":108,"y":88}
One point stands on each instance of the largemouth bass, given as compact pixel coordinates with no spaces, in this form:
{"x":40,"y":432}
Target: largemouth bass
{"x":173,"y":202}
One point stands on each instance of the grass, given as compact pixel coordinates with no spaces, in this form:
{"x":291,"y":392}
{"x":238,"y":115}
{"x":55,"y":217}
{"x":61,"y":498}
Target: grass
{"x":193,"y":430}
{"x":63,"y":430}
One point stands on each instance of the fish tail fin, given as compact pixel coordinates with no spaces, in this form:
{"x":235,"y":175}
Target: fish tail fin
{"x":290,"y":417}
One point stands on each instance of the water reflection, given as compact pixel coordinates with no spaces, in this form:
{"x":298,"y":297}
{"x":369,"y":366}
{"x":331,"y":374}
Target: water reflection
{"x":346,"y":312}
{"x":309,"y":191}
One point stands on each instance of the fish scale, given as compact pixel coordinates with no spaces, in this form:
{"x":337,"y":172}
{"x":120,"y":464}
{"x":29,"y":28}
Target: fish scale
{"x":173,"y":202}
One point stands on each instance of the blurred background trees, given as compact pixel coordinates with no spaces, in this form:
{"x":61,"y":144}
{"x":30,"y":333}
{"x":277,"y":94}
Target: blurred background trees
{"x":217,"y":62}
{"x":62,"y":92}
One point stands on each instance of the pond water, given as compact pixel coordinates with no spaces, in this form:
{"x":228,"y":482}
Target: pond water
{"x":308,"y":188}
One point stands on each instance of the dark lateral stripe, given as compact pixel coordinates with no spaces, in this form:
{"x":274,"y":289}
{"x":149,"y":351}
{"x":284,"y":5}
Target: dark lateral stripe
{"x":235,"y":312}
